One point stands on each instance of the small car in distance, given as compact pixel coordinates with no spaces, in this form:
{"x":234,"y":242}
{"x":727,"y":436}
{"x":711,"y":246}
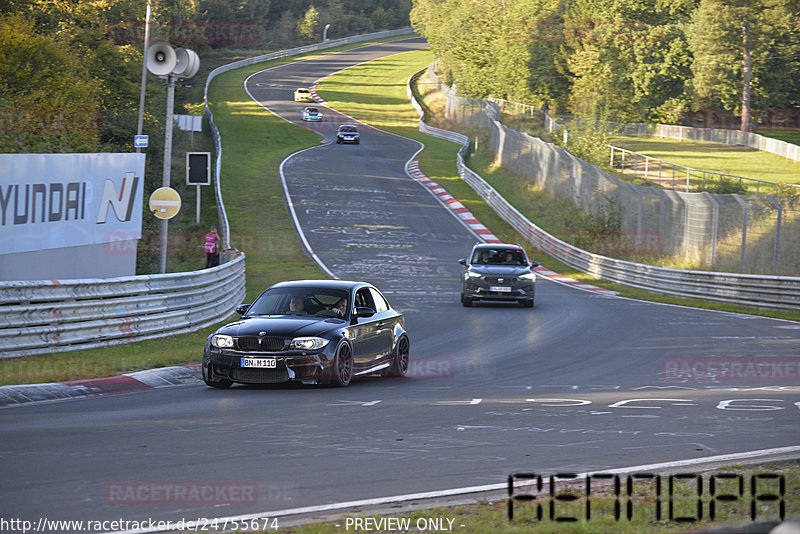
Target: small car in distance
{"x":303,"y":95}
{"x":498,"y":272}
{"x":309,"y":331}
{"x":348,"y":133}
{"x":312,"y":114}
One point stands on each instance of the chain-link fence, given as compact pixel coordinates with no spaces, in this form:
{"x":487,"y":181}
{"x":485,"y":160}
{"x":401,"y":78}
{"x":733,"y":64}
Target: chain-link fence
{"x":722,"y":232}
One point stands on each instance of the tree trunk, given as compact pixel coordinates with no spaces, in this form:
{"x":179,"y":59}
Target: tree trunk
{"x":746,"y":72}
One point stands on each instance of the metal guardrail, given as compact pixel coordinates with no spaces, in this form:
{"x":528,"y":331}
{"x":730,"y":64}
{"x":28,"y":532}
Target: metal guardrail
{"x":45,"y":316}
{"x":766,"y":291}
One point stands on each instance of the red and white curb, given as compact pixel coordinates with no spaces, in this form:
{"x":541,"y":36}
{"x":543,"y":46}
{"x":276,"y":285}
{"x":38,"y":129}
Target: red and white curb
{"x":454,"y":205}
{"x":465,"y":215}
{"x":314,"y":94}
{"x":96,"y":387}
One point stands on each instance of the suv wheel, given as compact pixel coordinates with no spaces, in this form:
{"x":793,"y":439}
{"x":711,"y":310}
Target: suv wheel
{"x":467,"y":302}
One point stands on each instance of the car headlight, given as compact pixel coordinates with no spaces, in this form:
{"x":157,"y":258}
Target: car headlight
{"x":474,"y":275}
{"x":221,"y":341}
{"x":308,"y":343}
{"x":527,"y":276}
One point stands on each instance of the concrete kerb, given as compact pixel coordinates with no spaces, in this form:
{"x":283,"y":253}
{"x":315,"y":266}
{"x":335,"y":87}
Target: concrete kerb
{"x":26,"y":394}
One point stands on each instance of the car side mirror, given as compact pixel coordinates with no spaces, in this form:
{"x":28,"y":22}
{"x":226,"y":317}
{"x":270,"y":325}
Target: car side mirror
{"x":463,"y":261}
{"x":241,"y":309}
{"x":364,"y":311}
{"x":535,"y":264}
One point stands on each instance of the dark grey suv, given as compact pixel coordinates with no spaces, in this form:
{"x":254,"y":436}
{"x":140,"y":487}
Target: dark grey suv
{"x":498,"y":272}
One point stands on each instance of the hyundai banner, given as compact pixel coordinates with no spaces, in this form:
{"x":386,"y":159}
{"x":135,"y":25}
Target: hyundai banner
{"x":50,"y":201}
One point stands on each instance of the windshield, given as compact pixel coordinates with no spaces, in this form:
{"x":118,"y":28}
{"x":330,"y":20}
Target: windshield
{"x":498,"y":256}
{"x":347,"y":129}
{"x":321,"y":302}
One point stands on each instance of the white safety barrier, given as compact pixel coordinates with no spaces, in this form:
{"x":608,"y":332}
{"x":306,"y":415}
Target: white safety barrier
{"x":749,"y":289}
{"x":44,"y":316}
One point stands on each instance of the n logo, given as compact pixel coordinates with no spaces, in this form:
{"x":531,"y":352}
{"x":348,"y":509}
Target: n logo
{"x":122,"y":203}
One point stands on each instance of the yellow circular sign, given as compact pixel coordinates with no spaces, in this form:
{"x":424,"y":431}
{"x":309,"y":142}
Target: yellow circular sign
{"x":165,"y":203}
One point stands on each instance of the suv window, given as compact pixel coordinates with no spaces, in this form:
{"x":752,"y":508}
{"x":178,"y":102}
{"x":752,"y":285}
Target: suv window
{"x":498,"y":256}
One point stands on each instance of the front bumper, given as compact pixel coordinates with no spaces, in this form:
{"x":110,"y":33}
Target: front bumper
{"x":305,"y":367}
{"x":480,"y":290}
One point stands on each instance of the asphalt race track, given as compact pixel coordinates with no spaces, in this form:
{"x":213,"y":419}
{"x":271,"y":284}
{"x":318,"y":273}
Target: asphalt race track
{"x":582,"y":382}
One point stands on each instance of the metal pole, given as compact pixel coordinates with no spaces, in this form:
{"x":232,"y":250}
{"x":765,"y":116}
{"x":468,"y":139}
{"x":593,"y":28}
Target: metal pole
{"x":744,"y":238}
{"x":162,"y":258}
{"x":144,"y":73}
{"x":197,"y":218}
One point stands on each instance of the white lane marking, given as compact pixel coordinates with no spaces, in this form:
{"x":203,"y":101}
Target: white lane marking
{"x":475,"y":489}
{"x":624,"y":403}
{"x":355,"y":403}
{"x":296,"y":221}
{"x":457,"y":402}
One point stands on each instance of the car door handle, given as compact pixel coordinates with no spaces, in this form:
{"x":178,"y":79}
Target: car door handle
{"x":381,"y":323}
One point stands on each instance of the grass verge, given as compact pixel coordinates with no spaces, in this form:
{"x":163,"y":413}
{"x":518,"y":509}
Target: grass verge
{"x":254,"y":143}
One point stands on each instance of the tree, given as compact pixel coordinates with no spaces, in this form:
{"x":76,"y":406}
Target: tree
{"x":308,"y":23}
{"x":50,"y":100}
{"x":732,"y":42}
{"x":628,"y":58}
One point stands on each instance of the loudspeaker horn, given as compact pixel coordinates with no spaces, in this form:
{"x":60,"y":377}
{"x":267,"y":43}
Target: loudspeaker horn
{"x":161,"y":59}
{"x":195,"y":65}
{"x":187,"y":64}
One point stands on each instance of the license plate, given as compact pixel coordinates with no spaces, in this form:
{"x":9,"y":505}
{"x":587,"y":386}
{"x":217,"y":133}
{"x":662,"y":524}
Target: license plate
{"x":268,"y":363}
{"x":500,"y":289}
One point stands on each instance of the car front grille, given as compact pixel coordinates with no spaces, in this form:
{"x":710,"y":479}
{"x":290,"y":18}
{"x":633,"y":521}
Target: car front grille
{"x":506,"y":280}
{"x":264,"y":344}
{"x":260,"y":376}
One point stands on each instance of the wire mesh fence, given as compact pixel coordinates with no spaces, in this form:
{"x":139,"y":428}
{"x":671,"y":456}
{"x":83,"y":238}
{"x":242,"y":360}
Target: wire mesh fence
{"x":722,"y":232}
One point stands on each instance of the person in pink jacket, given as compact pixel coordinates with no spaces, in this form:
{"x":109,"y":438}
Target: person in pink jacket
{"x":211,"y":247}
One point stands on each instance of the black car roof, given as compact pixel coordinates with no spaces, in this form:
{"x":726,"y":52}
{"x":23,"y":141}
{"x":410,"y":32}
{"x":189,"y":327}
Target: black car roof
{"x":327,"y":284}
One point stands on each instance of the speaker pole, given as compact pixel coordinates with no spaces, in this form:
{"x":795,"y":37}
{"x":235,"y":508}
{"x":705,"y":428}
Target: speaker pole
{"x":165,"y":179}
{"x":144,"y":72}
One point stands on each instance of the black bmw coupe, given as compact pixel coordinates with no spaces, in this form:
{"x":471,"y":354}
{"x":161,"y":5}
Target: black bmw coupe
{"x":310,"y":331}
